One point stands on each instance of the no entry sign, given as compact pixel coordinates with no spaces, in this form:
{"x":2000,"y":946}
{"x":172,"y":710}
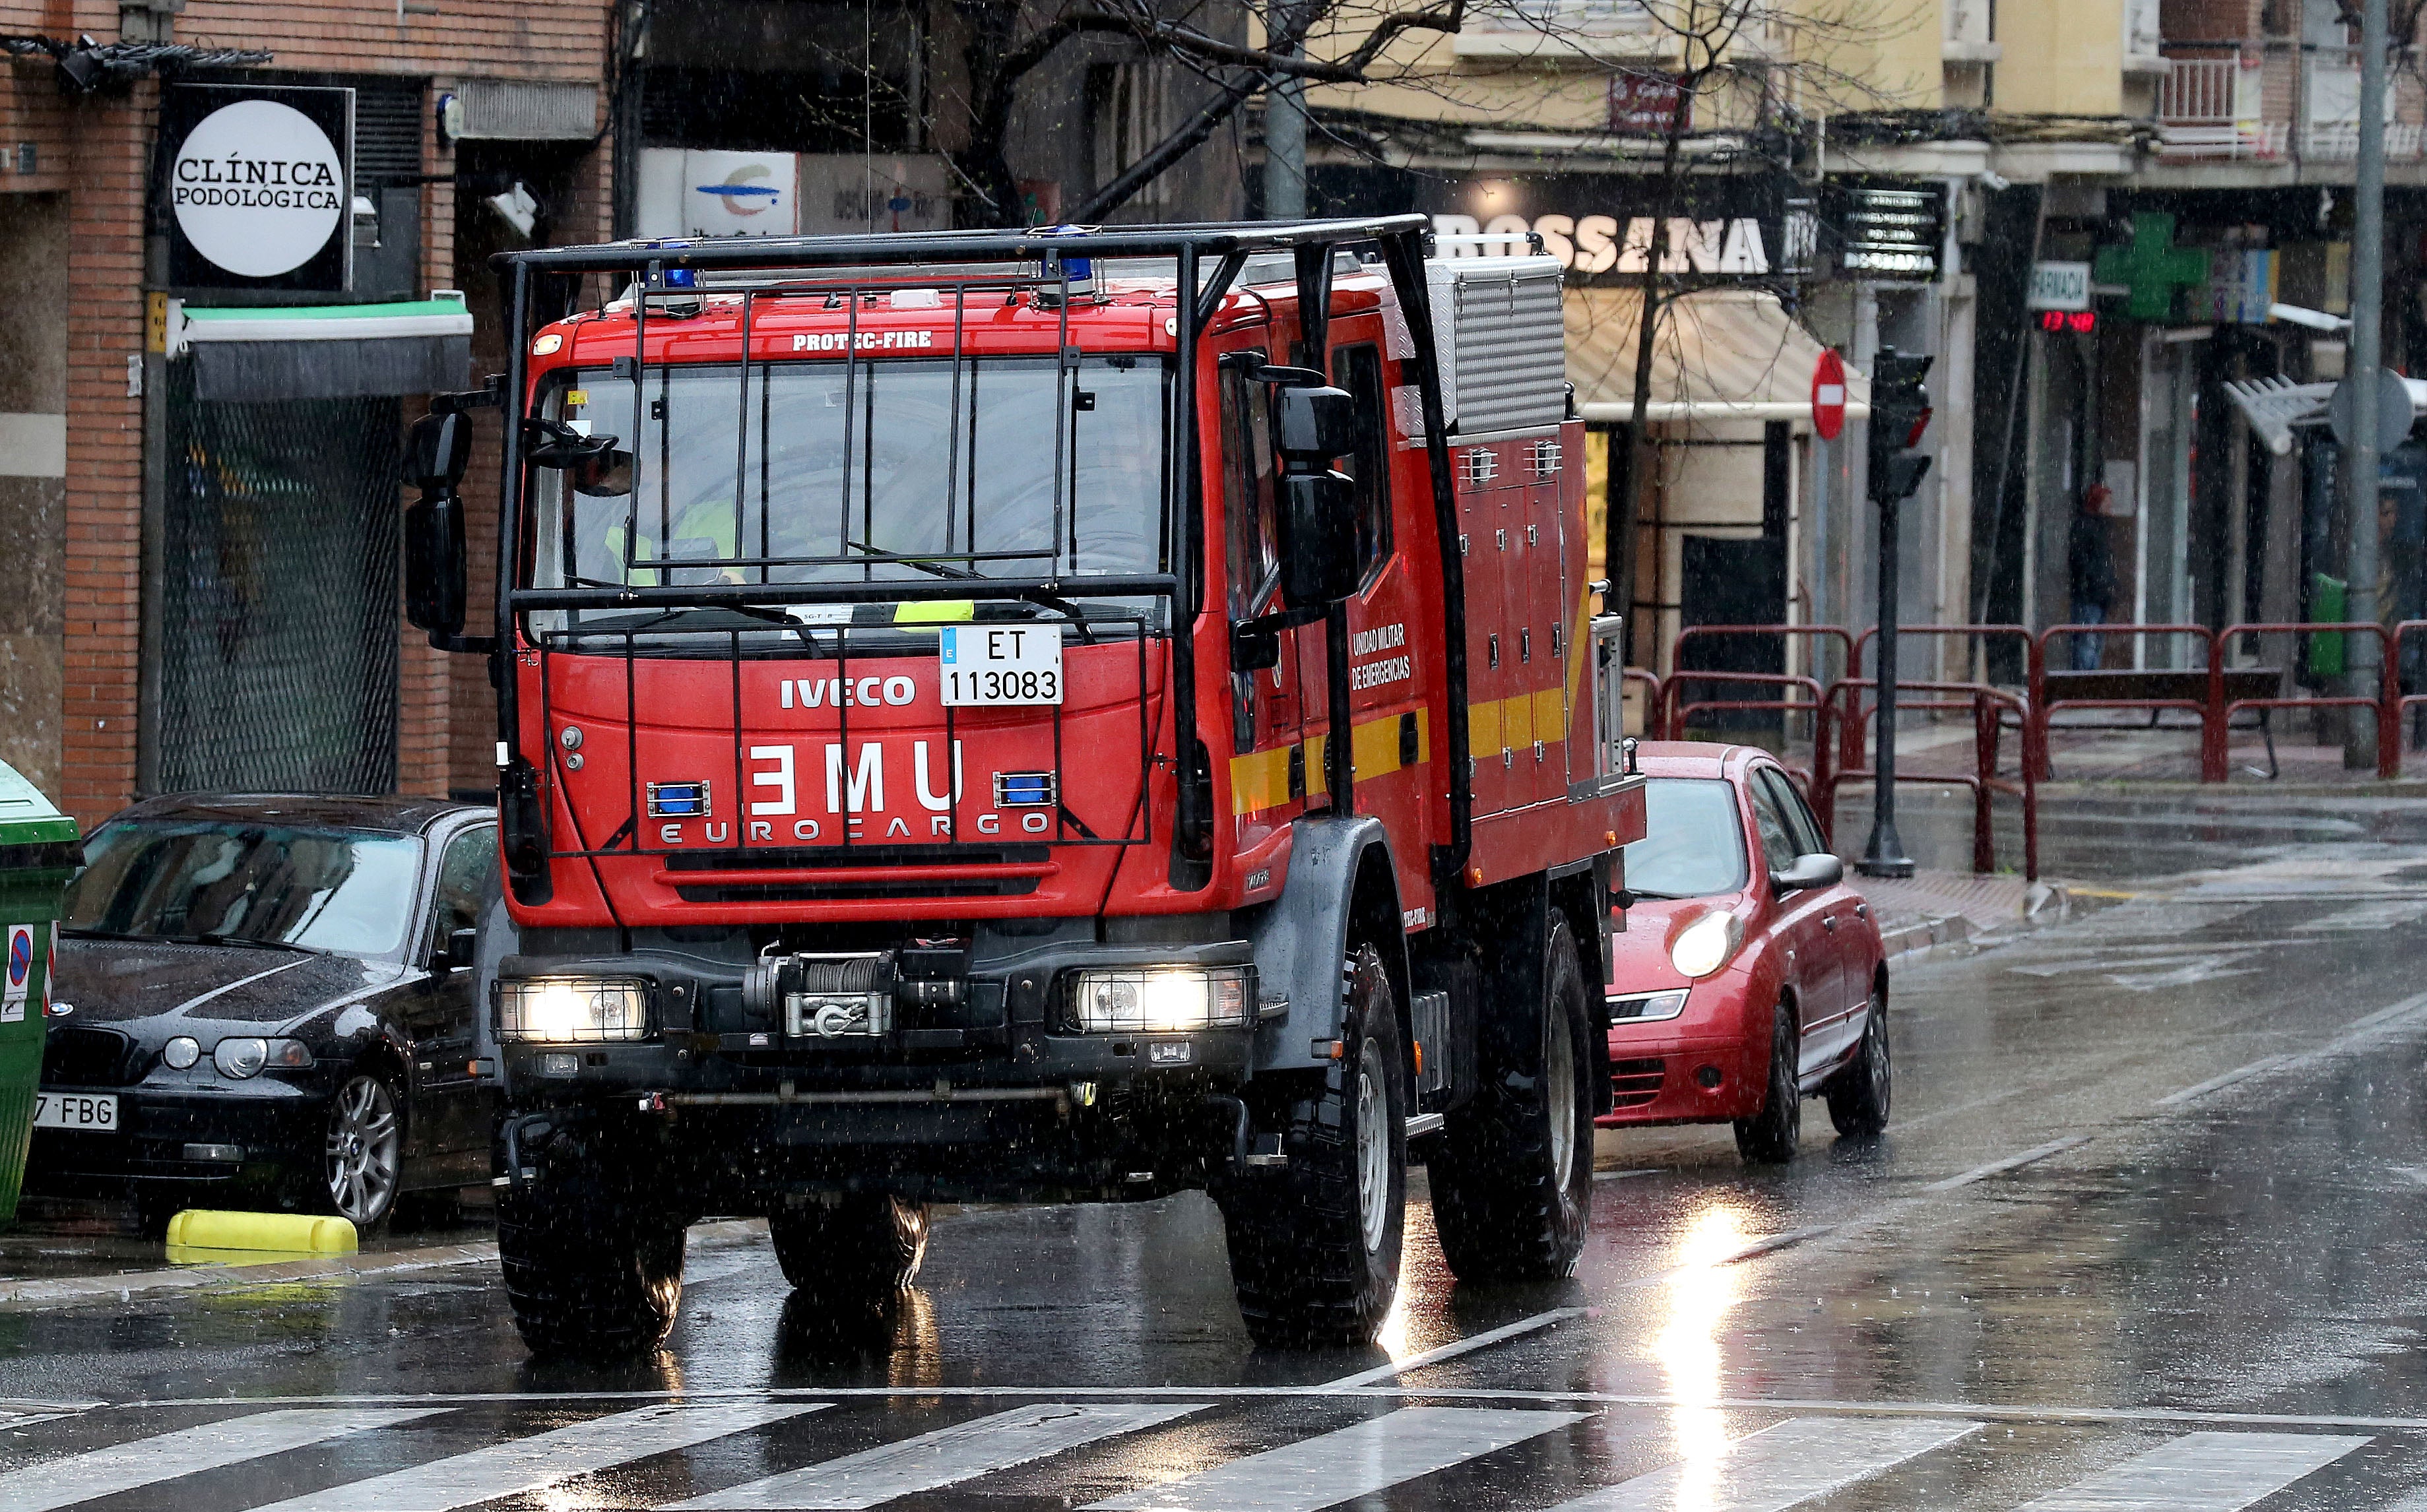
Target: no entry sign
{"x":1828,"y":395}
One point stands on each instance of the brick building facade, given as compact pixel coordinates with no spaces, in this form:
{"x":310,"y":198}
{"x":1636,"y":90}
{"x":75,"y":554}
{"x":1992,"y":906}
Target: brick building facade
{"x":83,"y":385}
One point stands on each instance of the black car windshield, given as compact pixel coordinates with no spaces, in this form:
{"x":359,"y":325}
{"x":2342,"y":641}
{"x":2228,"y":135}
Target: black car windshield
{"x":342,"y":890}
{"x":1693,"y":840}
{"x":902,"y":470}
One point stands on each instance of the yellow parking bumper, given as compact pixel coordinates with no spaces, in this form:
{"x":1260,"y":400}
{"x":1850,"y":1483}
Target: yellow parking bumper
{"x":198,"y":1229}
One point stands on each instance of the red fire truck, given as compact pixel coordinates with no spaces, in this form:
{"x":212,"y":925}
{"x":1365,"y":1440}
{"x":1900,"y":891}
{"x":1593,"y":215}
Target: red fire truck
{"x":923,"y":662}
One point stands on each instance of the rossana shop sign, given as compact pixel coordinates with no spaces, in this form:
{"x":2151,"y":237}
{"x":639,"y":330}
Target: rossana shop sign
{"x":258,"y":186}
{"x":1714,"y":228}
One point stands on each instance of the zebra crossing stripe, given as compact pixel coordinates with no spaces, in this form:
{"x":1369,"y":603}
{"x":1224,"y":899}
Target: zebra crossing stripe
{"x":939,"y":1459}
{"x":187,"y":1452}
{"x":541,"y":1460}
{"x":1782,"y":1466}
{"x":2202,"y":1472}
{"x":1346,"y":1464}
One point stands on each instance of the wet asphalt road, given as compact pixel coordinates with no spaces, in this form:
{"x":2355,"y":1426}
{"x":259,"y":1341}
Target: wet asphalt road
{"x":2146,"y":1233}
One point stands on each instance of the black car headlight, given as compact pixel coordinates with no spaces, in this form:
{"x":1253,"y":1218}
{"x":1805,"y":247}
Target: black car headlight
{"x":237,"y":1058}
{"x":573,"y":1010}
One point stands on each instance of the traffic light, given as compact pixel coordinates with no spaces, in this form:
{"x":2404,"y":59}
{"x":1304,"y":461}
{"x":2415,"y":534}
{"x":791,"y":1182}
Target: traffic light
{"x":1900,"y":414}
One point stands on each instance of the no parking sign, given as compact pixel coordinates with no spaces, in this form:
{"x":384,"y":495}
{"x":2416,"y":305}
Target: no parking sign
{"x":17,"y":974}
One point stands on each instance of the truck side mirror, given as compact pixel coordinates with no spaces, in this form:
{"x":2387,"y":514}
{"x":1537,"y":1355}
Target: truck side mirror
{"x":1315,"y":425}
{"x":1318,"y":538}
{"x":439,"y":453}
{"x":433,"y":562}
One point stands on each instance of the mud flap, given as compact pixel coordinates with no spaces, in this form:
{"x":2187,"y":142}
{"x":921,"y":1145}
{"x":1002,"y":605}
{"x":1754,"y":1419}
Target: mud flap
{"x":1302,"y":937}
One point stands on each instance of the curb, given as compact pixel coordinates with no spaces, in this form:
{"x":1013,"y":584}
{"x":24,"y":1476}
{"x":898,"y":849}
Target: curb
{"x":1925,"y":935}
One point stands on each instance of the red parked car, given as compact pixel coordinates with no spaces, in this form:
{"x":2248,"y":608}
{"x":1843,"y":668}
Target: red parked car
{"x":1749,"y":976}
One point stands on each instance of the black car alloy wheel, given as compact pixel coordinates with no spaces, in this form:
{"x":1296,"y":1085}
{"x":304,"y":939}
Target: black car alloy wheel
{"x":365,"y":1155}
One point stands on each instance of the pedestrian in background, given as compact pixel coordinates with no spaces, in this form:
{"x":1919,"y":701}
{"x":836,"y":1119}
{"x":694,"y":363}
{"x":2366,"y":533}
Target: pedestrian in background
{"x":2089,"y":567}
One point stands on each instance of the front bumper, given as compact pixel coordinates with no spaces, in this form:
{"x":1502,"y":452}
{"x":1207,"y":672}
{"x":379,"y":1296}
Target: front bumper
{"x":184,"y":1137}
{"x":1662,"y":1079}
{"x":988,"y":1095}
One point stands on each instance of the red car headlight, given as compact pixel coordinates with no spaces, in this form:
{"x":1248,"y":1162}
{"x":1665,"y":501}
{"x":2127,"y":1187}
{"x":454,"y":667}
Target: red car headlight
{"x":1706,"y":944}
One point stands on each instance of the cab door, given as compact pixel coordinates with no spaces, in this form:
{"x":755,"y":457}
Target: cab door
{"x":448,"y":1121}
{"x":1268,"y":772}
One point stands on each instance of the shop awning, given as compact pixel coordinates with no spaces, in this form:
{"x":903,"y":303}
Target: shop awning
{"x":326,"y":351}
{"x":1718,"y":355}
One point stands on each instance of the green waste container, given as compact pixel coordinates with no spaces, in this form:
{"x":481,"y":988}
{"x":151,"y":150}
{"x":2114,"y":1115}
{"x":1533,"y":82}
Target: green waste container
{"x":40,"y":849}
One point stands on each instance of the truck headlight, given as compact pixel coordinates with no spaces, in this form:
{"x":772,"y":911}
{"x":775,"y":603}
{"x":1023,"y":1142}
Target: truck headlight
{"x":570,"y":1010}
{"x":1161,"y":1000}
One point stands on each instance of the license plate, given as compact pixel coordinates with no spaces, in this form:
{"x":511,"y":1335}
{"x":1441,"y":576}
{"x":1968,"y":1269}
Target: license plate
{"x":74,"y":1109}
{"x":1000,"y":664}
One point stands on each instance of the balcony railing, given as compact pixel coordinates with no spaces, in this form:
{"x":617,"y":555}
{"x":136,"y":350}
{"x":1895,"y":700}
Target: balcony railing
{"x":2214,"y":108}
{"x":2237,"y":100}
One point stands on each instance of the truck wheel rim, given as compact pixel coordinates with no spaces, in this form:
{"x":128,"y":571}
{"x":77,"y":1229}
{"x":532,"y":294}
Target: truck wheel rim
{"x":362,"y":1147}
{"x":1373,"y":1148}
{"x":1559,"y":1088}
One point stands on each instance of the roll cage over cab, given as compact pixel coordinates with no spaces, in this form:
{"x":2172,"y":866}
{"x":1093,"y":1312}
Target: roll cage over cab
{"x":923,"y":664}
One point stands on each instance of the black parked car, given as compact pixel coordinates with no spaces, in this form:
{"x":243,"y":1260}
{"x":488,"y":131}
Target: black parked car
{"x":274,"y":1001}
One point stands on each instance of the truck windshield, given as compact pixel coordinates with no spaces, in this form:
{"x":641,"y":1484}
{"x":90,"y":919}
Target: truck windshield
{"x":895,"y":470}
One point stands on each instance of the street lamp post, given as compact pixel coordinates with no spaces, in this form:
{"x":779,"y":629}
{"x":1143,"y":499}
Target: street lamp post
{"x":2367,"y":304}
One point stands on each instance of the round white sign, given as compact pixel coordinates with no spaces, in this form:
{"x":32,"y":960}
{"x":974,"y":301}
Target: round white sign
{"x":259,"y":188}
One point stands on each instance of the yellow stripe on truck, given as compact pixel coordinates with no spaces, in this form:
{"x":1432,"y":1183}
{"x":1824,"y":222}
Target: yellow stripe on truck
{"x":1260,"y":779}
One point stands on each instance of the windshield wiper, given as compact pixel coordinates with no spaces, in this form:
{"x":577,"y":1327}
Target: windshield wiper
{"x":79,"y":933}
{"x":933,"y":569}
{"x":246,"y":942}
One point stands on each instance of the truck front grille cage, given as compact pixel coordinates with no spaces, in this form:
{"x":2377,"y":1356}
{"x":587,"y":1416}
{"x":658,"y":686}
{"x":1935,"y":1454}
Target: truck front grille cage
{"x":727,"y":554}
{"x":951,"y":840}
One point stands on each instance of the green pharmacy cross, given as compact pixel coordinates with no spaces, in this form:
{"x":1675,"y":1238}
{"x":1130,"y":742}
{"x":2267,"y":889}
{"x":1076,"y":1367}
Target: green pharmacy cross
{"x":2153,"y":267}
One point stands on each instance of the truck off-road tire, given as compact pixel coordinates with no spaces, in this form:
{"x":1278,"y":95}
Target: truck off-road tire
{"x":1512,"y":1179}
{"x":1859,"y":1095}
{"x":1769,"y":1136}
{"x":1314,"y":1248}
{"x":860,"y":1255}
{"x":589,"y":1269}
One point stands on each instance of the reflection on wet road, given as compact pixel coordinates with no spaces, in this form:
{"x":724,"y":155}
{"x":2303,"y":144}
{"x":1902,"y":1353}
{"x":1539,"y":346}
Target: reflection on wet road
{"x":2143,"y":1235}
